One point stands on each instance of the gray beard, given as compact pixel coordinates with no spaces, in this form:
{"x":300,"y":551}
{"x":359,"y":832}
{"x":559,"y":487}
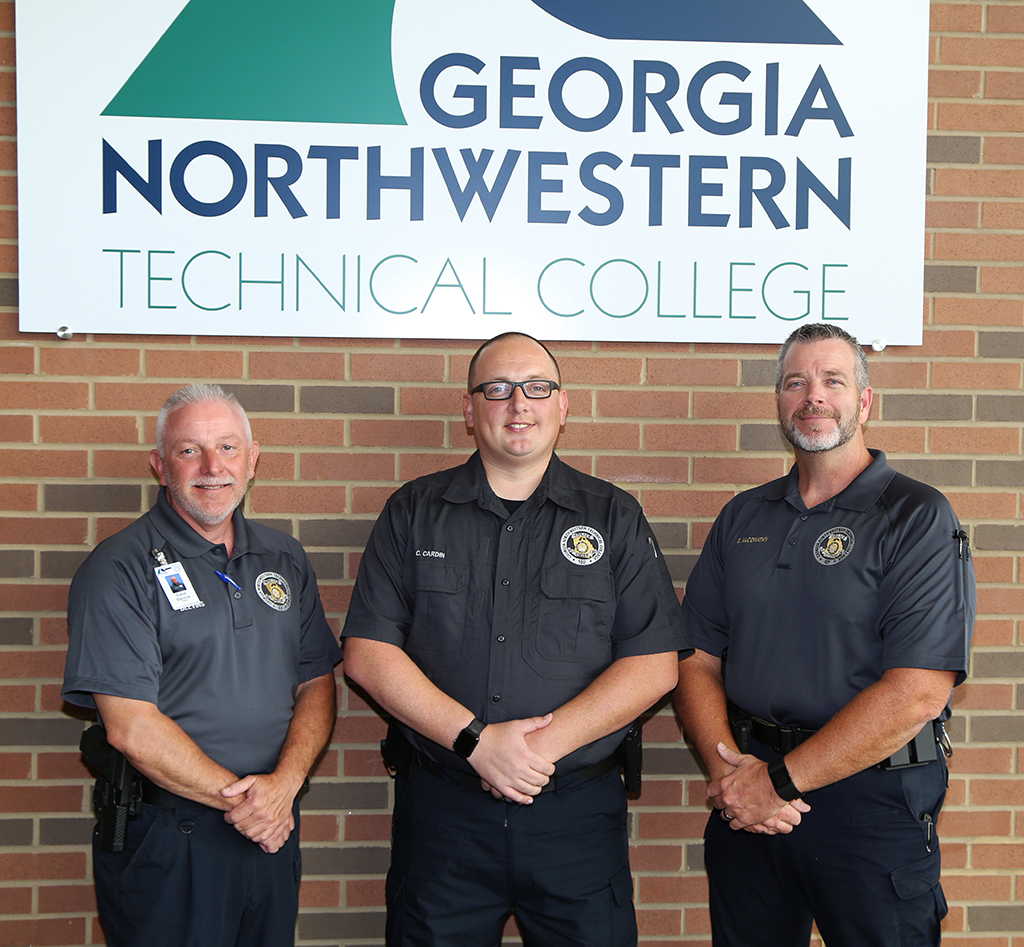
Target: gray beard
{"x":197,"y":512}
{"x":818,"y":443}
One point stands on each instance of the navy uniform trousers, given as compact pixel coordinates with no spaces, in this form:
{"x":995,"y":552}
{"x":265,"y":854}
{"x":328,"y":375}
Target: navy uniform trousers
{"x":462,"y":860}
{"x":189,"y":879}
{"x":864,"y":863}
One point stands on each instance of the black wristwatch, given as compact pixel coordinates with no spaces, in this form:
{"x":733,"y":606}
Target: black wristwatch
{"x":782,"y":781}
{"x":465,"y":743}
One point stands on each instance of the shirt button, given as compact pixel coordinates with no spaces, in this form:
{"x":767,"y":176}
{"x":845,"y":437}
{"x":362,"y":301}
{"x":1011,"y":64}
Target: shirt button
{"x":804,"y":517}
{"x":509,"y":528}
{"x":501,"y":637}
{"x":792,"y":542}
{"x":496,"y":698}
{"x":238,"y":594}
{"x":504,"y":581}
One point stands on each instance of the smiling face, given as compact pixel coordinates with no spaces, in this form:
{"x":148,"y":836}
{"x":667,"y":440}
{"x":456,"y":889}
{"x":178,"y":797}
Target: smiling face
{"x":819,"y":406}
{"x":207,"y":463}
{"x":521,"y":431}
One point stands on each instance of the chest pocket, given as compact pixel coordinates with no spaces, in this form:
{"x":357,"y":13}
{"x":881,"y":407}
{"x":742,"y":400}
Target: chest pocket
{"x":570,"y":635}
{"x":441,"y":609}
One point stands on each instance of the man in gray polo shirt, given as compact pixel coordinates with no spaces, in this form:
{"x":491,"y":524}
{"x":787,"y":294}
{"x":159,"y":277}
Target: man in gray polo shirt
{"x":832,"y":612}
{"x":200,"y":639}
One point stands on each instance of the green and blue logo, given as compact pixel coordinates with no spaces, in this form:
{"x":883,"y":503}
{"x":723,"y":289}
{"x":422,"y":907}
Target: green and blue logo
{"x":695,"y":21}
{"x":260,"y":60}
{"x":330,"y":61}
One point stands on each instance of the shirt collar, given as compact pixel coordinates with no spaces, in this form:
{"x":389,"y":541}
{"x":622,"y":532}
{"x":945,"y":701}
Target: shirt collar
{"x":187,"y":543}
{"x":860,"y":495}
{"x":470,"y":483}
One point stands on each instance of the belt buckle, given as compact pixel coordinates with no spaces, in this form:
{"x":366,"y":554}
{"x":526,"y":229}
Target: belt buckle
{"x":786,"y":740}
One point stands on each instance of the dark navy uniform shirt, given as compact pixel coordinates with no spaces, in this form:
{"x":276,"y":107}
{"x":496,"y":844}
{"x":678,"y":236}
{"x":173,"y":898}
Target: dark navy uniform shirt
{"x":225,"y":670}
{"x":513,"y":616}
{"x":815,"y":605}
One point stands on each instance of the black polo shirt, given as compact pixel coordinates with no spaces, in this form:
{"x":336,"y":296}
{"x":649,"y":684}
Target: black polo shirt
{"x":815,"y":605}
{"x":226,"y":669}
{"x":513,"y":616}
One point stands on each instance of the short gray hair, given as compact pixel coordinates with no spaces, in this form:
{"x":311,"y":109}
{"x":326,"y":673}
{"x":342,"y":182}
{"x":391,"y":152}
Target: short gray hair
{"x":824,"y":332}
{"x":197,"y":394}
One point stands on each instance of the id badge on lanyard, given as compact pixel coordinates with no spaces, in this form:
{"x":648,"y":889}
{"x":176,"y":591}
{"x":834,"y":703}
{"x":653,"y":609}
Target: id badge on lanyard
{"x":175,"y":583}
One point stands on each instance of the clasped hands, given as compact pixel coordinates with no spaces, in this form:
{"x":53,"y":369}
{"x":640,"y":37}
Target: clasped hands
{"x":510,"y":759}
{"x":747,"y":799}
{"x":261,"y":809}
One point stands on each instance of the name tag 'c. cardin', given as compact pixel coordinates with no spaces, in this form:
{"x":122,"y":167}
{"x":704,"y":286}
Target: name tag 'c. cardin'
{"x":177,"y":586}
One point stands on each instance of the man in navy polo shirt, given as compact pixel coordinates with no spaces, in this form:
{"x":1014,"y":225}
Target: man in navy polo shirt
{"x":832,"y":613}
{"x":514,"y":616}
{"x":200,"y":639}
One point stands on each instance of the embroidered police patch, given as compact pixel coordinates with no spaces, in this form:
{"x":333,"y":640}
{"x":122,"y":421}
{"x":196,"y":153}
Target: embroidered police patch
{"x":273,"y":589}
{"x":583,"y":545}
{"x":833,"y":546}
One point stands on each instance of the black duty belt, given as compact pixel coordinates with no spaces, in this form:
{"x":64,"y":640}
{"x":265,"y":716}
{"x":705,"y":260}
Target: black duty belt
{"x":922,"y":749}
{"x":779,"y":738}
{"x":399,"y":754}
{"x":154,"y":795}
{"x":472,"y":781}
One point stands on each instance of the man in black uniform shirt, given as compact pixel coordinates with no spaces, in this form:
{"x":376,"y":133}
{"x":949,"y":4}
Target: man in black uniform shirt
{"x":832,"y":612}
{"x":513,"y":616}
{"x":200,"y":639}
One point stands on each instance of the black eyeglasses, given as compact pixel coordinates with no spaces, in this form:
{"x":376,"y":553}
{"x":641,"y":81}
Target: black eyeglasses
{"x":503,"y":390}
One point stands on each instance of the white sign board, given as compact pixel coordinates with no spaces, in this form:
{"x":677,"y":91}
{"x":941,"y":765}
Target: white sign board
{"x":575,"y":169}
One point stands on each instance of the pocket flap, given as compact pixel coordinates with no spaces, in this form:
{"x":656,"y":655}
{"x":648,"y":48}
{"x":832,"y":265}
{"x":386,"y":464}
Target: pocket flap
{"x":579,"y":583}
{"x":916,"y":879}
{"x":426,"y":576}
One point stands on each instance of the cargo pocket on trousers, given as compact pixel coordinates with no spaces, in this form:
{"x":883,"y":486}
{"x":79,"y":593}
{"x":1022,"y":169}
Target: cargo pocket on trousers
{"x":623,"y":919}
{"x":922,"y":904}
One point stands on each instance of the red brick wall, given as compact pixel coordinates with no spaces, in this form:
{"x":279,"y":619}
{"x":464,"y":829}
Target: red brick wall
{"x":343,"y":422}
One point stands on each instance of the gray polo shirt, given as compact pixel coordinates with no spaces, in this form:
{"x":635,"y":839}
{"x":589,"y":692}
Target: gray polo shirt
{"x":513,"y":616}
{"x":815,"y":605}
{"x":226,"y":669}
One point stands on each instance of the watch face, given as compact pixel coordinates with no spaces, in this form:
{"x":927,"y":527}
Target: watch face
{"x":466,"y":741}
{"x":465,"y":744}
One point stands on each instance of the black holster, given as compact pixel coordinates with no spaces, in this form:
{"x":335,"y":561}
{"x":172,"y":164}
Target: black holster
{"x":117,"y":796}
{"x":631,"y":756}
{"x":923,"y":748}
{"x":398,"y":753}
{"x":741,"y":733}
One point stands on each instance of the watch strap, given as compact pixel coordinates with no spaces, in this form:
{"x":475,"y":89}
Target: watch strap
{"x":782,"y":781}
{"x":465,"y":743}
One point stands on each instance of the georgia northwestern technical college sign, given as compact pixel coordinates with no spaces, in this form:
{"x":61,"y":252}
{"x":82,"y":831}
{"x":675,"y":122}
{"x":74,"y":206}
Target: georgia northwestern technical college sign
{"x":657,"y":170}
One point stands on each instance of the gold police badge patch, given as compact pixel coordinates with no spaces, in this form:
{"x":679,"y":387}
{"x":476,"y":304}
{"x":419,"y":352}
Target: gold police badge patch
{"x":273,"y":589}
{"x":833,"y":545}
{"x":582,"y":545}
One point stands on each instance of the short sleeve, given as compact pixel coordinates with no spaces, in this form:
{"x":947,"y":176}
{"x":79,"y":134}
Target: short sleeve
{"x":928,"y":592}
{"x":113,"y":643}
{"x":381,"y":607}
{"x":318,"y":649}
{"x":704,"y":605}
{"x":647,"y":617}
